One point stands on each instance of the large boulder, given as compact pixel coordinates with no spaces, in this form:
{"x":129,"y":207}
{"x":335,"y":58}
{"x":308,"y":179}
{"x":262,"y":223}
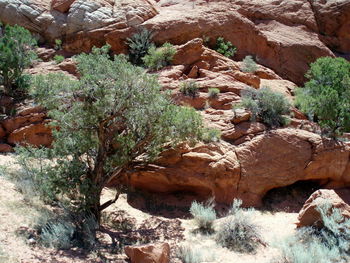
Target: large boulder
{"x":310,"y":215}
{"x":150,"y":253}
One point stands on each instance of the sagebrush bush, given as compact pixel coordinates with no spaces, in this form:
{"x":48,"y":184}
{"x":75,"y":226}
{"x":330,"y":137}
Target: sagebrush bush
{"x":58,"y":59}
{"x":194,"y":254}
{"x":213,"y":92}
{"x":328,"y":244}
{"x":249,"y":65}
{"x":58,"y":235}
{"x":189,"y":88}
{"x":204,"y":215}
{"x":325,"y":98}
{"x":58,"y":44}
{"x":225,"y":47}
{"x":139,"y":44}
{"x":266,"y":106}
{"x":238,"y":232}
{"x":158,"y":58}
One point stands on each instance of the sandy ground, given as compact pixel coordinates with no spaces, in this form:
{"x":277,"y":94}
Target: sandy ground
{"x":16,"y":214}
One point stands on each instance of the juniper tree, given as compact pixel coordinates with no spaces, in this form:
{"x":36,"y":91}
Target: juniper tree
{"x":111,"y":117}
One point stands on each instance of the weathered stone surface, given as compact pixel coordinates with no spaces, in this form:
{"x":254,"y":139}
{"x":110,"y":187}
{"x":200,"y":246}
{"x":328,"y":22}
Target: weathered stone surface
{"x":61,"y":5}
{"x":309,"y":215}
{"x":5,"y":148}
{"x":2,"y":132}
{"x":34,"y":134}
{"x":12,"y":124}
{"x":150,"y":253}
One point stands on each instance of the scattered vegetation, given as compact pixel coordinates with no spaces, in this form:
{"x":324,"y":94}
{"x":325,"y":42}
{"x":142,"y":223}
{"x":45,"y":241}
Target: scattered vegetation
{"x":238,"y":232}
{"x":204,"y":215}
{"x":158,"y":58}
{"x":213,"y":92}
{"x":139,"y":44}
{"x":16,"y":54}
{"x":194,"y":254}
{"x":266,"y":105}
{"x":331,"y":243}
{"x":189,"y":88}
{"x":113,"y":115}
{"x":249,"y":65}
{"x":58,"y":59}
{"x":58,"y":44}
{"x":211,"y":135}
{"x":225,"y":47}
{"x":325,"y":98}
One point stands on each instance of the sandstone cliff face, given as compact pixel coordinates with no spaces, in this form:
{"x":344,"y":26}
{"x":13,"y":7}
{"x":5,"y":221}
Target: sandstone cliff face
{"x":283,"y":35}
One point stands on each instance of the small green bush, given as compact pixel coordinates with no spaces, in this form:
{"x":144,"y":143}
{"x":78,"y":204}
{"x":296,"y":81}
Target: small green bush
{"x":58,"y":44}
{"x":225,"y":47}
{"x":266,"y":105}
{"x":204,"y":215}
{"x":189,"y":88}
{"x":139,"y":44}
{"x":325,"y":98}
{"x":249,"y":65}
{"x":58,"y":59}
{"x":211,"y":135}
{"x":158,"y":58}
{"x":213,"y":92}
{"x":58,"y":235}
{"x":16,"y":54}
{"x":238,"y":232}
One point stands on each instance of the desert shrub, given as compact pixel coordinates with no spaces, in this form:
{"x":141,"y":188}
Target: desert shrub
{"x":327,"y":244}
{"x":213,"y":92}
{"x":225,"y":47}
{"x":238,"y":232}
{"x":139,"y":44}
{"x":158,"y":58}
{"x":58,"y":235}
{"x":194,"y":254}
{"x":325,"y":98}
{"x":211,"y":135}
{"x":249,"y":65}
{"x":266,"y":105}
{"x":189,"y":88}
{"x":204,"y":215}
{"x":113,"y":115}
{"x":58,"y":59}
{"x":16,"y":54}
{"x":58,"y":44}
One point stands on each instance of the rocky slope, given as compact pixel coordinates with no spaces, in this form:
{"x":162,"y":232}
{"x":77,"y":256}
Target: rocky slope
{"x":283,"y":35}
{"x":250,"y":159}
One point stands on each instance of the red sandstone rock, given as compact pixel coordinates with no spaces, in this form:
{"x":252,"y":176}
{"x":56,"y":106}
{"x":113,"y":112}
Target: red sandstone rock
{"x":5,"y":148}
{"x":309,"y":215}
{"x":17,"y":122}
{"x":150,"y":253}
{"x":34,"y":134}
{"x":61,"y":5}
{"x":2,"y":132}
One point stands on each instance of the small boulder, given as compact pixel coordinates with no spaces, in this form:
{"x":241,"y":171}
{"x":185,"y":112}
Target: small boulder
{"x":61,"y":5}
{"x":5,"y":148}
{"x":309,"y":214}
{"x":150,"y":253}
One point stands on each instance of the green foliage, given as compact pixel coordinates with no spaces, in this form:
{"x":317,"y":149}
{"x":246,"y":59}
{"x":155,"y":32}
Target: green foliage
{"x":225,"y":47}
{"x":213,"y":92}
{"x":204,"y":215}
{"x":113,"y":115}
{"x":58,"y":44}
{"x":189,"y":88}
{"x":266,"y":105}
{"x":238,"y":232}
{"x":326,"y":96}
{"x":58,"y":235}
{"x":58,"y":59}
{"x":249,"y":65}
{"x":158,"y":58}
{"x":16,"y":54}
{"x":139,"y":44}
{"x":211,"y":135}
